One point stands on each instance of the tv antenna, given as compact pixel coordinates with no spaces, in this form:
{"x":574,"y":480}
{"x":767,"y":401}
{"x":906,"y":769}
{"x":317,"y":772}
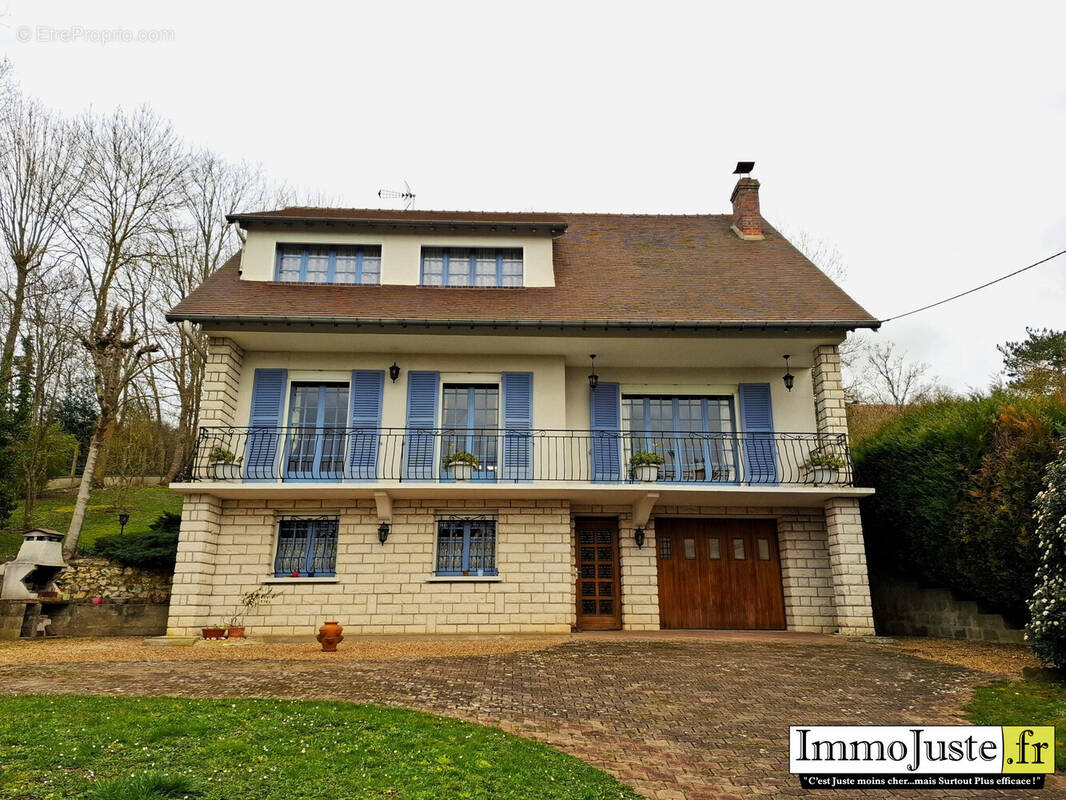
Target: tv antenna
{"x":406,"y":195}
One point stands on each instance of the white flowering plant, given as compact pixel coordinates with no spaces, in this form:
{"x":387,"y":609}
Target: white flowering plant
{"x":1046,"y":632}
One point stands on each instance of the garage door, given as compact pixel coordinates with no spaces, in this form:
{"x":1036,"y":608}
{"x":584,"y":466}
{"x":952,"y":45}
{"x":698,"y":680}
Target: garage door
{"x":717,"y":573}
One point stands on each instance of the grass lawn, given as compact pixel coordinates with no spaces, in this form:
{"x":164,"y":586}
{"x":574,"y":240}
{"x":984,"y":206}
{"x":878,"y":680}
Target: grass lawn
{"x":55,"y":510}
{"x":105,"y":748}
{"x":1023,"y":704}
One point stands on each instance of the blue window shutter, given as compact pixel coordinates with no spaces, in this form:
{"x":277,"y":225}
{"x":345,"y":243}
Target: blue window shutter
{"x":423,"y":388}
{"x":368,"y":387}
{"x":268,"y":403}
{"x":606,"y":424}
{"x":518,"y":426}
{"x":757,"y":417}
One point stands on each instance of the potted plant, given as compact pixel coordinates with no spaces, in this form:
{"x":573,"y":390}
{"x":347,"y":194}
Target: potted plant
{"x":250,"y":601}
{"x":462,"y":465}
{"x":823,"y":467}
{"x":225,"y":464}
{"x":645,"y":465}
{"x":213,"y":631}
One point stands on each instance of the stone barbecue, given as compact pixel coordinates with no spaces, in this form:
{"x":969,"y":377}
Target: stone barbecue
{"x":31,"y":576}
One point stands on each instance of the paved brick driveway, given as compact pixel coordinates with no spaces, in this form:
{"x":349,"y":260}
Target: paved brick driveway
{"x":675,"y":717}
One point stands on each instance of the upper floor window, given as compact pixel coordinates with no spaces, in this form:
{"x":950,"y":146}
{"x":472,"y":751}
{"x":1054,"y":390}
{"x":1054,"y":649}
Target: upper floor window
{"x":472,"y":266}
{"x":351,"y":264}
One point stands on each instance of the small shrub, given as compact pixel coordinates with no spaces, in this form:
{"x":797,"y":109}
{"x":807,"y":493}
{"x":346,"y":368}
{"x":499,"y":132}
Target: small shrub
{"x":1046,"y":631}
{"x":152,"y":550}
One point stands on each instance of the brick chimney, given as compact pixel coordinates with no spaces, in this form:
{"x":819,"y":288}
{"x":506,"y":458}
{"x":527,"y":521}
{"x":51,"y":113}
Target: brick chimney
{"x":747,"y":221}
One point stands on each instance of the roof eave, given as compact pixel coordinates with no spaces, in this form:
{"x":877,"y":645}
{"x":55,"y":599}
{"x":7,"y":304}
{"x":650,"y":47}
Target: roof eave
{"x":406,"y":322}
{"x":555,"y":228}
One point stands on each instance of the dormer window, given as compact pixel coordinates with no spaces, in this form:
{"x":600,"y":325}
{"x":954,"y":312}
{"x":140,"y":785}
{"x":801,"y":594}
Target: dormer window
{"x":348,"y":264}
{"x":472,"y":266}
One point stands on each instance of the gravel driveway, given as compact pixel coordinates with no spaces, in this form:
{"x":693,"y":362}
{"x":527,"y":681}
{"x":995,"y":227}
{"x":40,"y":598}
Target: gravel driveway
{"x":676,"y":718}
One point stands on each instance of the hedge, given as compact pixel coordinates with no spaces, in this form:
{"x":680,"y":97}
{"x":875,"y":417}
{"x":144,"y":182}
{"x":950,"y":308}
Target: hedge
{"x":956,"y":482}
{"x":155,"y":549}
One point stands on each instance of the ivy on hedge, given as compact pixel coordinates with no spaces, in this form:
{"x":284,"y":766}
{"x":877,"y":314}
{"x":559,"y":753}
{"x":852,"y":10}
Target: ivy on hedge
{"x":956,"y":484}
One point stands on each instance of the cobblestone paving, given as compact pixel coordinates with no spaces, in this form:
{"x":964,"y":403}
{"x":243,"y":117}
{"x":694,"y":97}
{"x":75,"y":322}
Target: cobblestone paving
{"x":684,"y":720}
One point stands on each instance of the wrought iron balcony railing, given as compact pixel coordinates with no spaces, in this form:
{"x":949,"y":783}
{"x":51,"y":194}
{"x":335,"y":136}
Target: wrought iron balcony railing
{"x":514,"y":456}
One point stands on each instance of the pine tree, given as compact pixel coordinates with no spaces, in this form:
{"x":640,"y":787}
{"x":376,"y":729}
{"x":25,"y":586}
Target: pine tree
{"x":1046,"y":631}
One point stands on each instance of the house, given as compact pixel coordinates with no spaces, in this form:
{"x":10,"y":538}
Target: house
{"x":426,"y":422}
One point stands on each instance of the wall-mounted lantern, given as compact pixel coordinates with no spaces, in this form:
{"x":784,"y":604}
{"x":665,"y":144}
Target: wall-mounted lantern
{"x":594,"y":379}
{"x":638,"y":537}
{"x":394,"y":371}
{"x":788,"y":377}
{"x":383,"y":532}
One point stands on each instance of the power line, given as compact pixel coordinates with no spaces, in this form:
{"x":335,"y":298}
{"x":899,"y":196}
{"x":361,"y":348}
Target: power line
{"x":974,"y":289}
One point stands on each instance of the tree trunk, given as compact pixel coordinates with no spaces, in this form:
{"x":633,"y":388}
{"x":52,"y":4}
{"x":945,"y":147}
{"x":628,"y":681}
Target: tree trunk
{"x":105,"y":436}
{"x":181,"y":451}
{"x":81,"y":505}
{"x":18,"y":302}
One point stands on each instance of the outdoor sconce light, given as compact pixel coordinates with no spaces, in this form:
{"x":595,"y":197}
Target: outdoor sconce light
{"x":594,"y":379}
{"x":383,"y":532}
{"x":638,"y":536}
{"x":123,"y":518}
{"x":394,"y":371}
{"x":788,"y":377}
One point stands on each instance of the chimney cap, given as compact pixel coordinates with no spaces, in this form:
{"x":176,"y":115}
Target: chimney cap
{"x":744,"y":168}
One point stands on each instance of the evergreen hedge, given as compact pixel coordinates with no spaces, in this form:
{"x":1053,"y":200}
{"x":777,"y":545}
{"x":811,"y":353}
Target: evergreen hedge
{"x":956,"y":484}
{"x":155,"y":549}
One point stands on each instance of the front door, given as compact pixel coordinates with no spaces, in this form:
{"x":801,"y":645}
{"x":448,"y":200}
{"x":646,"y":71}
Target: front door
{"x":719,"y":573}
{"x":599,"y":601}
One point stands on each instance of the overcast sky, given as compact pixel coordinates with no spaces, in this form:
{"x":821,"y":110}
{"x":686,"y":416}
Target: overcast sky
{"x":927,"y":141}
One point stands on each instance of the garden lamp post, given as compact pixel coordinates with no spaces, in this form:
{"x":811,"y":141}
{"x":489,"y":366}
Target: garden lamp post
{"x":123,"y":518}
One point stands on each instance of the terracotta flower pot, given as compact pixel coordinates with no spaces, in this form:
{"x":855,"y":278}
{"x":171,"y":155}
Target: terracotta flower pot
{"x":330,"y":636}
{"x":236,"y":632}
{"x":212,"y":633}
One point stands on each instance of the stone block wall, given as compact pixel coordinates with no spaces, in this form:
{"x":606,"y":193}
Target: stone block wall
{"x":86,"y":578}
{"x":903,"y":608}
{"x":388,"y":588}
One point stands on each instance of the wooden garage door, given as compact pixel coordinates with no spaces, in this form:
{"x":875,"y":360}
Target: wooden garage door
{"x":716,"y":573}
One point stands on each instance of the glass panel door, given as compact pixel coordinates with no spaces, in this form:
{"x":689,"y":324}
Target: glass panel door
{"x":317,"y":421}
{"x":694,"y":434}
{"x":470,"y":418}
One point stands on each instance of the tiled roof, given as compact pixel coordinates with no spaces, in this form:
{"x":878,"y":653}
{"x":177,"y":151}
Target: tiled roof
{"x":609,"y":268}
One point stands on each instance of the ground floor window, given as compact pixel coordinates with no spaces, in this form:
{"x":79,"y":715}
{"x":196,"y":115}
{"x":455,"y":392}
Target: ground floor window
{"x":466,"y":546}
{"x":307,"y":547}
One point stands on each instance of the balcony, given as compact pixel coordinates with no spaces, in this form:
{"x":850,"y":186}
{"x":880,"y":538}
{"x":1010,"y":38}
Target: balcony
{"x":413,"y":457}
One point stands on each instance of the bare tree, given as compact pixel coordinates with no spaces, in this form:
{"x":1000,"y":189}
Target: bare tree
{"x":39,"y":175}
{"x":134,"y":167}
{"x":196,"y":242}
{"x":890,"y":378}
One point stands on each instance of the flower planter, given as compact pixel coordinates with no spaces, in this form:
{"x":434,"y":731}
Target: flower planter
{"x":235,"y":632}
{"x":646,"y":473}
{"x":462,"y":472}
{"x":821,"y":476}
{"x":213,"y":633}
{"x":225,"y":471}
{"x":330,"y":635}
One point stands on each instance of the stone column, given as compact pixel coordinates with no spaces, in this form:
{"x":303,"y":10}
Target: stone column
{"x":639,"y":577}
{"x":847,"y":561}
{"x":194,"y":571}
{"x":828,"y":390}
{"x":222,"y":377}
